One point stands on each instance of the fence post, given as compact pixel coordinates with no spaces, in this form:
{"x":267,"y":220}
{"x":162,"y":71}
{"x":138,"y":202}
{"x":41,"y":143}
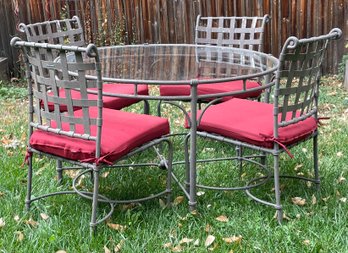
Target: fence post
{"x":3,"y":68}
{"x":345,"y":83}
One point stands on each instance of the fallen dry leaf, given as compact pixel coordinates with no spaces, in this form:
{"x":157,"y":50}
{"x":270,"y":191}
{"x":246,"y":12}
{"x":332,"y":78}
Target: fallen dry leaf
{"x":44,"y":216}
{"x":196,"y":243}
{"x":178,"y":200}
{"x":106,"y":249}
{"x":162,"y":203}
{"x":117,"y":227}
{"x":185,"y":240}
{"x":119,"y":246}
{"x":314,"y":200}
{"x":71,"y":173}
{"x":341,"y":179}
{"x":16,"y":218}
{"x":306,"y":242}
{"x":105,"y":174}
{"x":298,"y":166}
{"x":130,"y":206}
{"x":61,"y":251}
{"x":208,"y":228}
{"x":209,"y":241}
{"x":20,"y":236}
{"x":200,"y":193}
{"x":326,"y":198}
{"x":167,"y":245}
{"x":177,"y":249}
{"x":222,"y":218}
{"x":339,"y":154}
{"x":344,"y":200}
{"x":2,"y":223}
{"x":285,"y":217}
{"x":233,"y":239}
{"x":298,"y":201}
{"x":2,"y":194}
{"x":31,"y":222}
{"x":173,"y":234}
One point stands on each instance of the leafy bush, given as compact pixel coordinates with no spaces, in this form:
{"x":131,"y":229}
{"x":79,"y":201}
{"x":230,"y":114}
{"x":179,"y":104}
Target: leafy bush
{"x":12,"y":90}
{"x":342,"y":66}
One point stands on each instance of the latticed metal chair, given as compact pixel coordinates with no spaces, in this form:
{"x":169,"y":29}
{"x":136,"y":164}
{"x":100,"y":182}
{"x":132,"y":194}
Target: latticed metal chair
{"x":273,"y":128}
{"x":239,"y":32}
{"x":70,"y":32}
{"x":93,"y":137}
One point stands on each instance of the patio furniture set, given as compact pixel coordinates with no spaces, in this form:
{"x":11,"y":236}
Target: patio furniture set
{"x":236,"y":93}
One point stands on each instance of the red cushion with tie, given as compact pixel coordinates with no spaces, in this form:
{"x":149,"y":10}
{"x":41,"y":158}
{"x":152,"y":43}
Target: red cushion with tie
{"x":121,"y":133}
{"x":213,"y":88}
{"x":252,"y":122}
{"x":116,"y":103}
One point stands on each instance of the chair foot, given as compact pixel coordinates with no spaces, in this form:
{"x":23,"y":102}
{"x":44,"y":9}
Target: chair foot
{"x":93,"y":230}
{"x":279,"y":215}
{"x":163,"y":164}
{"x":59,"y":171}
{"x":192,"y":206}
{"x":27,"y":205}
{"x":146,"y":107}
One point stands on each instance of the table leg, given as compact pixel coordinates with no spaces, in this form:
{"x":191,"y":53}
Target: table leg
{"x":193,"y":143}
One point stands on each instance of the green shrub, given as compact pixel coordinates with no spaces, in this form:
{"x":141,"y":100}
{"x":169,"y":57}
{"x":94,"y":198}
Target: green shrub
{"x":12,"y":90}
{"x":342,"y":66}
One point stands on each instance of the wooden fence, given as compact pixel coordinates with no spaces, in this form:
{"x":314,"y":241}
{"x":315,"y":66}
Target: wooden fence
{"x":173,"y":21}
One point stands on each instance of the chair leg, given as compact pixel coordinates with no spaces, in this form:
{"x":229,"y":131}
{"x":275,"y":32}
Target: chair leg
{"x":169,"y":172}
{"x":315,"y":161}
{"x":263,"y":159}
{"x":239,"y":153}
{"x":187,"y":163}
{"x":277,"y":189}
{"x":29,"y":183}
{"x":59,"y":169}
{"x":146,"y":107}
{"x":159,"y":108}
{"x":95,"y":201}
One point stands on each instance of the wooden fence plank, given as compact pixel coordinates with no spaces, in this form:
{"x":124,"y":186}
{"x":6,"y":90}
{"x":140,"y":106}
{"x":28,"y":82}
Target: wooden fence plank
{"x":173,"y":21}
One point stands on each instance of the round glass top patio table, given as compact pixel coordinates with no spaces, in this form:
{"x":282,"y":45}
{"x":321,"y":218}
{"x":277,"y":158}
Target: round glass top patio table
{"x":185,"y":64}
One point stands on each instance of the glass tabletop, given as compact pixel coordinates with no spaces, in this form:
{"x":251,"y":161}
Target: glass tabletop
{"x":182,"y":63}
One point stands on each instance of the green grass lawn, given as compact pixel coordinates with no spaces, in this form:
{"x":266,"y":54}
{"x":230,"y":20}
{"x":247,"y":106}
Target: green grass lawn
{"x":236,"y":223}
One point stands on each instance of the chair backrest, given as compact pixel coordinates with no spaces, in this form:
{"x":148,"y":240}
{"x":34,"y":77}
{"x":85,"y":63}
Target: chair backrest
{"x":66,"y":31}
{"x":45,"y":74}
{"x":298,"y":76}
{"x":240,"y":32}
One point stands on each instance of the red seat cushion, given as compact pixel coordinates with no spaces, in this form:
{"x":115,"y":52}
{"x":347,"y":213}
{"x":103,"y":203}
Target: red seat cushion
{"x":121,"y":132}
{"x":252,"y":122}
{"x":116,"y":103}
{"x":213,"y":88}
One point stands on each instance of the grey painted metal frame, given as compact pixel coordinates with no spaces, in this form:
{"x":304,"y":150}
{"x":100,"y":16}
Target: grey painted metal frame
{"x":296,"y":93}
{"x":238,"y":32}
{"x":65,"y":32}
{"x":266,"y":67}
{"x":41,"y":75}
{"x":68,"y":32}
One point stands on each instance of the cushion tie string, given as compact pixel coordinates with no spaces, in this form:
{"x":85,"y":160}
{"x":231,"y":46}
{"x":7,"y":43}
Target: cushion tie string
{"x":28,"y":154}
{"x":322,"y":118}
{"x":267,"y":138}
{"x":97,"y":161}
